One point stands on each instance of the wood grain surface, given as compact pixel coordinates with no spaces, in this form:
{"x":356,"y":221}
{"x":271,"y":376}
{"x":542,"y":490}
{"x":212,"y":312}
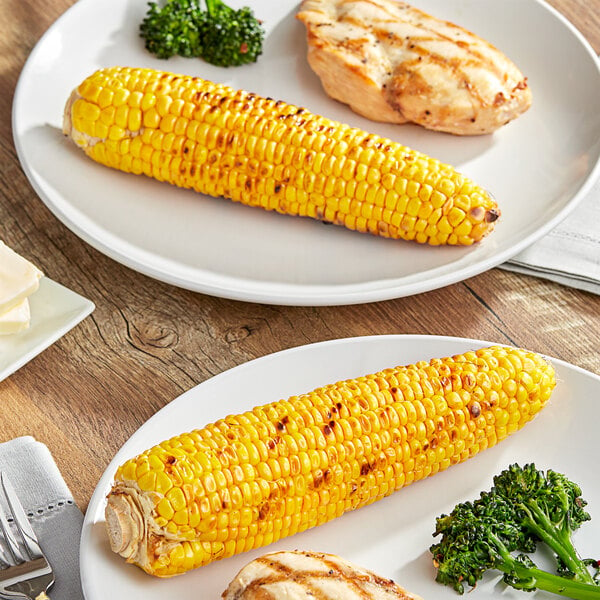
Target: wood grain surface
{"x":148,"y":342}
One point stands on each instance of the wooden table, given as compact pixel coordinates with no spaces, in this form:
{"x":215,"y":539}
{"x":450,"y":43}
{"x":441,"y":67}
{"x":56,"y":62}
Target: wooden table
{"x":148,"y":342}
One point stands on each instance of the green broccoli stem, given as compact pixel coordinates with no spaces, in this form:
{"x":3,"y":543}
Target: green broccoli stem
{"x":212,"y":6}
{"x":557,"y":539}
{"x":534,"y":578}
{"x":555,"y":584}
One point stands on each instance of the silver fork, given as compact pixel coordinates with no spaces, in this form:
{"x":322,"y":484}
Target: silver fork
{"x":25,"y":574}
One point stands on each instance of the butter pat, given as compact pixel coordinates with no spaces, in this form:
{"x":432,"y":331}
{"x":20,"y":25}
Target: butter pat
{"x":16,"y":319}
{"x":18,"y":278}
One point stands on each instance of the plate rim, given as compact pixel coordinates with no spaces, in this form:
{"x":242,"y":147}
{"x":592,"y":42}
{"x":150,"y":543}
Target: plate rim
{"x":268,"y":291}
{"x":99,"y":493}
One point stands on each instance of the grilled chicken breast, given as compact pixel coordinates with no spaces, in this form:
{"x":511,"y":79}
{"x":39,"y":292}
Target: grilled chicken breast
{"x":394,"y":63}
{"x":310,"y":576}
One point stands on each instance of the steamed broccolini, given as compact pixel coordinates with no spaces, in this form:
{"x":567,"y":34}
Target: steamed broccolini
{"x":174,"y":29}
{"x":218,"y":34}
{"x":523,"y":508}
{"x":230,"y":37}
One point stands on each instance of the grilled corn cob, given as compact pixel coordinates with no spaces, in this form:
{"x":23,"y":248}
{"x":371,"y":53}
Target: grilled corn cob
{"x":221,"y":142}
{"x":250,"y":479}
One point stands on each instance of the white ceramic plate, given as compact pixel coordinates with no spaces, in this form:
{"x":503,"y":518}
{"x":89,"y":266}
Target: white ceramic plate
{"x":391,"y":536}
{"x":537,"y":167}
{"x":55,"y":310}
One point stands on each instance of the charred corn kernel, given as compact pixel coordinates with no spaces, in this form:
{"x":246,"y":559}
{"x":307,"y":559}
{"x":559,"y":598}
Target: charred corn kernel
{"x":117,"y":102}
{"x":250,"y":479}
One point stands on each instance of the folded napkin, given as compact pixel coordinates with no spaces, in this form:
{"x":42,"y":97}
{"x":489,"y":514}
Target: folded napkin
{"x":54,"y":516}
{"x":570,"y":253}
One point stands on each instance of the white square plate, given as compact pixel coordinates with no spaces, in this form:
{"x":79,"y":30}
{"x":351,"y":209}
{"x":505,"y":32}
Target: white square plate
{"x":55,"y":310}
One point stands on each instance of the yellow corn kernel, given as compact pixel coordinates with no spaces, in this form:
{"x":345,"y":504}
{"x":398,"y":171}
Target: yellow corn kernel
{"x":86,"y":110}
{"x":164,"y":509}
{"x":148,"y":101}
{"x":413,"y":207}
{"x":116,"y":133}
{"x":120,"y":97}
{"x":89,"y":90}
{"x":121,"y":115}
{"x":446,"y":187}
{"x":134,"y":100}
{"x":456,"y":216}
{"x":163,"y":103}
{"x":167,"y":123}
{"x":134,"y":119}
{"x":151,"y":118}
{"x":444,"y":225}
{"x":105,"y":97}
{"x":101,"y":130}
{"x":176,"y":498}
{"x":463,"y":228}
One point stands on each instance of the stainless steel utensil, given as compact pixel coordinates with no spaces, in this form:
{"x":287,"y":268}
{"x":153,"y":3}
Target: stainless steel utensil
{"x":25,"y":574}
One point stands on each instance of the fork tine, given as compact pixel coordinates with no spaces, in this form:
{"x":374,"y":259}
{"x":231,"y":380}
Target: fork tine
{"x":22,"y":522}
{"x":15,"y":595}
{"x":11,"y":542}
{"x":4,"y":560}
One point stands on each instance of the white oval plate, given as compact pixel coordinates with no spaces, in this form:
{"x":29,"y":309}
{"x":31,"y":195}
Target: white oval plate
{"x":537,"y":167}
{"x":391,"y":536}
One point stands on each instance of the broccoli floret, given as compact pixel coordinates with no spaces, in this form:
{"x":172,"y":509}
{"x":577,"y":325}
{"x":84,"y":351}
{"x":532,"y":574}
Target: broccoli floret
{"x":220,"y":35}
{"x":173,"y":29}
{"x":524,"y":507}
{"x":550,"y":508}
{"x":231,"y":37}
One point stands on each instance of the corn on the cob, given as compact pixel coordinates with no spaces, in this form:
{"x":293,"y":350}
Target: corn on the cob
{"x":250,"y":479}
{"x":221,"y":142}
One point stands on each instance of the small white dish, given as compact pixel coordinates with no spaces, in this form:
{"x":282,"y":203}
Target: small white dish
{"x":391,"y":536}
{"x":55,"y":310}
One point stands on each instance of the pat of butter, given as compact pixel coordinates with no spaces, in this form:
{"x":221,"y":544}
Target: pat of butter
{"x":18,"y":278}
{"x":16,"y":319}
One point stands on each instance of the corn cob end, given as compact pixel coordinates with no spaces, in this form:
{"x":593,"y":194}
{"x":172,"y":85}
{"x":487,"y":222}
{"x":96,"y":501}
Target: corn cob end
{"x":124,"y":524}
{"x":80,"y":138}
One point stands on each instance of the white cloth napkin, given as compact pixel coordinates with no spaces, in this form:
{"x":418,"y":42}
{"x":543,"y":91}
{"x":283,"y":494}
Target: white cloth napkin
{"x":54,"y":516}
{"x":570,"y":253}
